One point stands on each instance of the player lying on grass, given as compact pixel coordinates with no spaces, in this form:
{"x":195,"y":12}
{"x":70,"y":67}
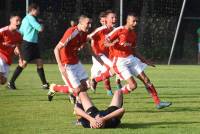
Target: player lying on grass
{"x":10,"y":42}
{"x":128,"y":62}
{"x":66,"y":53}
{"x":107,"y":20}
{"x":91,"y":117}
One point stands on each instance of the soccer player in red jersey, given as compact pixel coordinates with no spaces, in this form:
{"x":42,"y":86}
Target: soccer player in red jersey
{"x":128,"y":62}
{"x":66,"y":53}
{"x":10,"y":41}
{"x":101,"y":61}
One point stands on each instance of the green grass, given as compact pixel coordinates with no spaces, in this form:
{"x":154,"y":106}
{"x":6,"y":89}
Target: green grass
{"x":27,"y":111}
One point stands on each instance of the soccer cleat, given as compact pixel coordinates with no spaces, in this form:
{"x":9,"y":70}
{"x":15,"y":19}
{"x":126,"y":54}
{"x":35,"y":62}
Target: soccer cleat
{"x":119,"y":86}
{"x":93,"y":85}
{"x":72,"y":98}
{"x":11,"y":85}
{"x":45,"y":86}
{"x":109,"y":93}
{"x":51,"y":92}
{"x":163,"y":105}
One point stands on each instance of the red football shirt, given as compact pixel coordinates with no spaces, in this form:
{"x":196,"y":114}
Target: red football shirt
{"x":126,"y":42}
{"x":98,"y":37}
{"x":8,"y":41}
{"x":72,"y":40}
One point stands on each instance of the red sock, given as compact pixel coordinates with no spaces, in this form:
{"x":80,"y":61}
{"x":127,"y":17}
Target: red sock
{"x":103,"y":76}
{"x":151,"y":89}
{"x":125,"y":89}
{"x":61,"y":88}
{"x":107,"y":84}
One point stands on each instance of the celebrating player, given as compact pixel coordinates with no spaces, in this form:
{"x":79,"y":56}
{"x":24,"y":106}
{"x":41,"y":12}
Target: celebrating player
{"x":127,"y":60}
{"x":10,"y":42}
{"x":30,"y":29}
{"x":91,"y":117}
{"x":100,"y":59}
{"x":66,"y":53}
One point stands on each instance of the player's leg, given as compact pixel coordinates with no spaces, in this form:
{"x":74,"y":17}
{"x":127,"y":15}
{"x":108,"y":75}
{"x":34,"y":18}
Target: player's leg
{"x":151,"y":89}
{"x":118,"y":82}
{"x":85,"y":100}
{"x":28,"y":54}
{"x":41,"y":73}
{"x":107,"y":86}
{"x":4,"y":69}
{"x":117,"y":99}
{"x":2,"y":79}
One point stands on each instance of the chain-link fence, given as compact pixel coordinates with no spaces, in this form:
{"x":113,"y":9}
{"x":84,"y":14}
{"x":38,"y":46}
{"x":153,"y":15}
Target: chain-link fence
{"x":156,"y":28}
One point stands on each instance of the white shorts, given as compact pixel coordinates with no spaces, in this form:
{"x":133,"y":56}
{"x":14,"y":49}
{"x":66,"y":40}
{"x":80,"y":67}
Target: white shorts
{"x":199,"y":47}
{"x":127,"y":67}
{"x":75,"y":73}
{"x":4,"y":68}
{"x":97,"y":68}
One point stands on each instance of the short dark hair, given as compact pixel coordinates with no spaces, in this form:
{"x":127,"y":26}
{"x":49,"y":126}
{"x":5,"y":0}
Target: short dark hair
{"x":132,"y":14}
{"x":101,"y":15}
{"x":82,"y":17}
{"x":108,"y":12}
{"x":14,"y":14}
{"x":32,"y":6}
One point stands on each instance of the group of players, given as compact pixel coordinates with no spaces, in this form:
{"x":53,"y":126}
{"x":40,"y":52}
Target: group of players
{"x":113,"y":52}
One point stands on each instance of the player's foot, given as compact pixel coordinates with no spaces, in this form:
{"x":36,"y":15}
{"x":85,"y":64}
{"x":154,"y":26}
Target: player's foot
{"x":45,"y":86}
{"x":11,"y":85}
{"x":93,"y":85}
{"x":72,"y":98}
{"x":163,"y":105}
{"x":109,"y":93}
{"x":51,"y":92}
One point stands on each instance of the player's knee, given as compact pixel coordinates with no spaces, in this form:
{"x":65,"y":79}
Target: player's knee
{"x":3,"y":80}
{"x":133,"y":86}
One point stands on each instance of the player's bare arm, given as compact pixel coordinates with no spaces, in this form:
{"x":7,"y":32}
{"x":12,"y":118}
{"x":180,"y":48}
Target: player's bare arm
{"x":93,"y":122}
{"x":138,"y":55}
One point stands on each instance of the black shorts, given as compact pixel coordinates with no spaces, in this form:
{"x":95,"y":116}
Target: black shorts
{"x":93,"y":112}
{"x":30,"y":51}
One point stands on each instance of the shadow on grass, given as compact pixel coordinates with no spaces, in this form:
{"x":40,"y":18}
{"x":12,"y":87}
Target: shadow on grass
{"x":151,"y":124}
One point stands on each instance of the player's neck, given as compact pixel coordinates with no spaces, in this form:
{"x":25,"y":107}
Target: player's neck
{"x":10,"y":27}
{"x":128,"y":27}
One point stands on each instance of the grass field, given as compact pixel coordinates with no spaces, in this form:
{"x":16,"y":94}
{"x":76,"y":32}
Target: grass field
{"x":27,"y":111}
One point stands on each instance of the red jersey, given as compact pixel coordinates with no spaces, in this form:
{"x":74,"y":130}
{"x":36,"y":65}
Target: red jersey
{"x":8,"y":41}
{"x":98,"y":37}
{"x":72,"y":40}
{"x":126,"y":42}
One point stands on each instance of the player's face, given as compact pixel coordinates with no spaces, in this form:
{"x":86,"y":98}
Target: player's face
{"x":103,"y":20}
{"x":36,"y":12}
{"x":132,"y":22}
{"x":111,"y":19}
{"x":15,"y":22}
{"x":86,"y":24}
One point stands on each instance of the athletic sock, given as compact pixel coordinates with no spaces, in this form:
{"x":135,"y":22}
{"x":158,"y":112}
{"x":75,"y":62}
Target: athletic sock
{"x":41,"y":74}
{"x":118,"y":82}
{"x":107,"y":84}
{"x":16,"y":73}
{"x":103,"y":76}
{"x":151,"y":89}
{"x":61,"y":88}
{"x":126,"y":89}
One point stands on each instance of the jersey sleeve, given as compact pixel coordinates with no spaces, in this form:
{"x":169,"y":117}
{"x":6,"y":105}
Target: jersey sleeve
{"x":112,"y":36}
{"x":69,"y":35}
{"x":34,"y":23}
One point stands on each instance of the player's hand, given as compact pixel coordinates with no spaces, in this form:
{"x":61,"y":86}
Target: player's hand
{"x":150,"y":63}
{"x":94,"y":123}
{"x":100,"y":120}
{"x":22,"y":63}
{"x":16,"y":51}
